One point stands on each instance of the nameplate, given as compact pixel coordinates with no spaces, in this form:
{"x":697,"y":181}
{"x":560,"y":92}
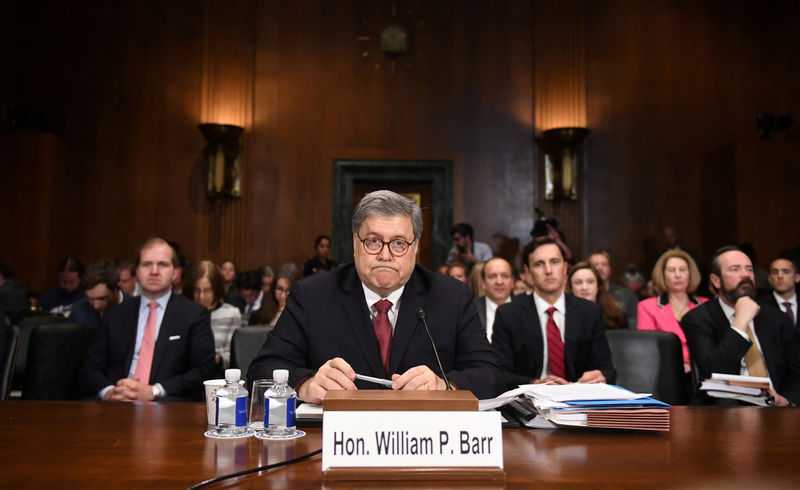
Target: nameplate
{"x":411,"y":439}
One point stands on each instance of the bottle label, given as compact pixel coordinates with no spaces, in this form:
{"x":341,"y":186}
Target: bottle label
{"x":279,"y":412}
{"x":241,"y":411}
{"x":290,"y":408}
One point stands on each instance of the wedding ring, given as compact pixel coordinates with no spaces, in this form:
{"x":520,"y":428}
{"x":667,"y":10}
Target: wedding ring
{"x":427,"y":387}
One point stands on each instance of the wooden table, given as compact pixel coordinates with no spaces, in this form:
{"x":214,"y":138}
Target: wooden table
{"x":154,"y":445}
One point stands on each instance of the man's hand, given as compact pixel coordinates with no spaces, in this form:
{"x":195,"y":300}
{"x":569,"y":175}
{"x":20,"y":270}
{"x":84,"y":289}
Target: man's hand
{"x":553,"y":380}
{"x":744,"y":311}
{"x":130,"y":390}
{"x":418,"y":378}
{"x":594,"y":376}
{"x":779,"y":400}
{"x":335,"y":374}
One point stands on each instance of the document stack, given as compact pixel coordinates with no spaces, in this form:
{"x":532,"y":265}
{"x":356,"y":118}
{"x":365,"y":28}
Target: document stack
{"x":747,"y":389}
{"x":586,"y":405}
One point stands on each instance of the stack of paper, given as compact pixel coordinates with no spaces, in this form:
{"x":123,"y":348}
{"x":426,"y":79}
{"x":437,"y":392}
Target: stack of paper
{"x":748,"y":389}
{"x":598,"y":405}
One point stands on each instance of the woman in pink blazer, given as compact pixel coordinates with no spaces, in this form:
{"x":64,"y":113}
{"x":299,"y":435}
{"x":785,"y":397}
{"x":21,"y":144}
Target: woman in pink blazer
{"x":675,"y":276}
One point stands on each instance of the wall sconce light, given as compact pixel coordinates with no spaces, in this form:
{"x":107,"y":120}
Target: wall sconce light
{"x":561,"y":147}
{"x":223,"y":154}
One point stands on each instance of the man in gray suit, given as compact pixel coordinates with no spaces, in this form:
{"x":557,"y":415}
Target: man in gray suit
{"x":498,"y":281}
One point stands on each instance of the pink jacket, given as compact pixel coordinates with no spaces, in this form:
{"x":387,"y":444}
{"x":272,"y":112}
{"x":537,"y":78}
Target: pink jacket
{"x":656,"y":314}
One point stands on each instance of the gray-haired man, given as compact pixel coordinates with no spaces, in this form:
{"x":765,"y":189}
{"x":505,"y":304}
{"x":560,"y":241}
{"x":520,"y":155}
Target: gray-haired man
{"x":363,"y":318}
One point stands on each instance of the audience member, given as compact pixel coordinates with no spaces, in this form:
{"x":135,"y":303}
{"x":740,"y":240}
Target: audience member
{"x":181,"y":273}
{"x":548,"y":227}
{"x":673,"y":242}
{"x":551,"y":336}
{"x":457,"y":271}
{"x":324,"y":337}
{"x":100,"y":281}
{"x":267,"y":276}
{"x":761,"y":275}
{"x":157,"y":347}
{"x":783,"y":277}
{"x":228,"y":270}
{"x":625,"y":300}
{"x":465,"y":250}
{"x":733,"y":335}
{"x":475,"y":283}
{"x":584,"y":282}
{"x":321,"y":262}
{"x":520,"y":286}
{"x":273,"y":306}
{"x":497,"y":281}
{"x":207,"y":287}
{"x":127,"y":277}
{"x":12,"y":293}
{"x":676,"y":276}
{"x":649,"y":290}
{"x":59,"y":300}
{"x":249,"y":300}
{"x":633,"y":280}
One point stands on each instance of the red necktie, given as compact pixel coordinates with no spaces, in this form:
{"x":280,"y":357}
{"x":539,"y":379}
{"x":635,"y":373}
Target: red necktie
{"x":145,"y":362}
{"x":383,"y":330}
{"x":555,"y":347}
{"x":789,"y":311}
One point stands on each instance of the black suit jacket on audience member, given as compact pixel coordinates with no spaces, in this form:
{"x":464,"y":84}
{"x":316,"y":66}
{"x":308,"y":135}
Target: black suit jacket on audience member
{"x":480,"y":305}
{"x":517,"y":339}
{"x":326,"y":316}
{"x":183,"y":356}
{"x":715,"y":348}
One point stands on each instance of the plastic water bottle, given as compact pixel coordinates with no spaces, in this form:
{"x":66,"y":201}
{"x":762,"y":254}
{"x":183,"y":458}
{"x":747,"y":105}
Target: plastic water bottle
{"x":279,"y":404}
{"x":231,"y":405}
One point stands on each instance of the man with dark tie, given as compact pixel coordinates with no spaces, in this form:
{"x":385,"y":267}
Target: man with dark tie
{"x":158,"y":346}
{"x":550,"y":336}
{"x":365,"y":317}
{"x":783,"y":277}
{"x":734,"y":335}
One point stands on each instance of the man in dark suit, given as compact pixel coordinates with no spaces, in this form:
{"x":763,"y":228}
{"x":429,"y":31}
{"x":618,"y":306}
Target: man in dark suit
{"x":734,"y":335}
{"x":783,"y":277}
{"x":497,"y":279}
{"x":157,"y":346}
{"x":550,"y":336}
{"x":363,"y":318}
{"x":100,"y":281}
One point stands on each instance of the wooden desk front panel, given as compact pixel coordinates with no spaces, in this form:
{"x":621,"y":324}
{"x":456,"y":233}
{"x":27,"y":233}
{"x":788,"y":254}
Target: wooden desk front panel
{"x":116,"y":445}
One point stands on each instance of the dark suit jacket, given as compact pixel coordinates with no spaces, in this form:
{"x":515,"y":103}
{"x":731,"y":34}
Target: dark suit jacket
{"x":326,"y":316}
{"x":183,"y":356}
{"x":715,"y":348}
{"x":517,"y":339}
{"x":480,"y":306}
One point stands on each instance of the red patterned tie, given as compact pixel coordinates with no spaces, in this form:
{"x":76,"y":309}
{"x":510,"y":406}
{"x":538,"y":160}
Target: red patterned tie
{"x":555,"y":347}
{"x":383,"y":330}
{"x":789,"y":311}
{"x":145,"y":361}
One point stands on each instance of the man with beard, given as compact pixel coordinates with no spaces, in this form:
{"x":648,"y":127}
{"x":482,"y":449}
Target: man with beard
{"x":734,"y":335}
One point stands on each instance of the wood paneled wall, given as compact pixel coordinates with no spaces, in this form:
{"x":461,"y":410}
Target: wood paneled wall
{"x":671,"y":94}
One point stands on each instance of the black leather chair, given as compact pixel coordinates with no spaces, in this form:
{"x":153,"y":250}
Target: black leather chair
{"x":26,"y":326}
{"x":10,"y":348}
{"x":649,"y":361}
{"x":245,"y":344}
{"x":55,"y":355}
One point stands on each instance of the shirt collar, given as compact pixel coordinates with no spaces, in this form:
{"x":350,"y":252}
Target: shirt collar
{"x":780,"y":300}
{"x":162,"y":301}
{"x":542,"y":305}
{"x":372,"y":297}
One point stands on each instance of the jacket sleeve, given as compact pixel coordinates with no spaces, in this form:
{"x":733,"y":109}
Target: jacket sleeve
{"x":712,"y":354}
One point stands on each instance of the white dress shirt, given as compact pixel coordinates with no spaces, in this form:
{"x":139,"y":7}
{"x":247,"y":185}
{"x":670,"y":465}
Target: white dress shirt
{"x":491,"y":309}
{"x":558,"y":317}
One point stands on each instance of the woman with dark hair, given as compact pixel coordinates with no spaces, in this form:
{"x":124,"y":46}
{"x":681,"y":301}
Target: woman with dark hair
{"x":584,"y":282}
{"x":208,"y":289}
{"x":675,"y":277}
{"x":276,"y":300}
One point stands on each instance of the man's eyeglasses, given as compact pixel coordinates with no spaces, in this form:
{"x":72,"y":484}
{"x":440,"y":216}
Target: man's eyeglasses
{"x":374,"y":246}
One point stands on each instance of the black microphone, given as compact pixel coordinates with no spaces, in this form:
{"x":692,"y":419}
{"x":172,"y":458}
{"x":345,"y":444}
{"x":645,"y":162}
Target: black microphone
{"x":423,"y":318}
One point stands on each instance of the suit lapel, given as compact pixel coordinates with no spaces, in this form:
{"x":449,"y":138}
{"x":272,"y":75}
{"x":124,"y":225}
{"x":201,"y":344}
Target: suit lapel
{"x":169,"y":326}
{"x":480,"y":304}
{"x":721,"y":323}
{"x":358,"y":318}
{"x":130,"y":323}
{"x":534,"y":335}
{"x":412,"y":299}
{"x":572,"y":326}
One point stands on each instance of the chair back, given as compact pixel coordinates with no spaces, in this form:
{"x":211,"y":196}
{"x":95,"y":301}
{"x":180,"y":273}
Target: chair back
{"x":26,"y":326}
{"x":649,"y":361}
{"x":245,"y":344}
{"x":55,"y":356}
{"x":11,"y":334}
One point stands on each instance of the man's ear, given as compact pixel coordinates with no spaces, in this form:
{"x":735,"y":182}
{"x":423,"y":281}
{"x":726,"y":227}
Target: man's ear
{"x":715,"y":281}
